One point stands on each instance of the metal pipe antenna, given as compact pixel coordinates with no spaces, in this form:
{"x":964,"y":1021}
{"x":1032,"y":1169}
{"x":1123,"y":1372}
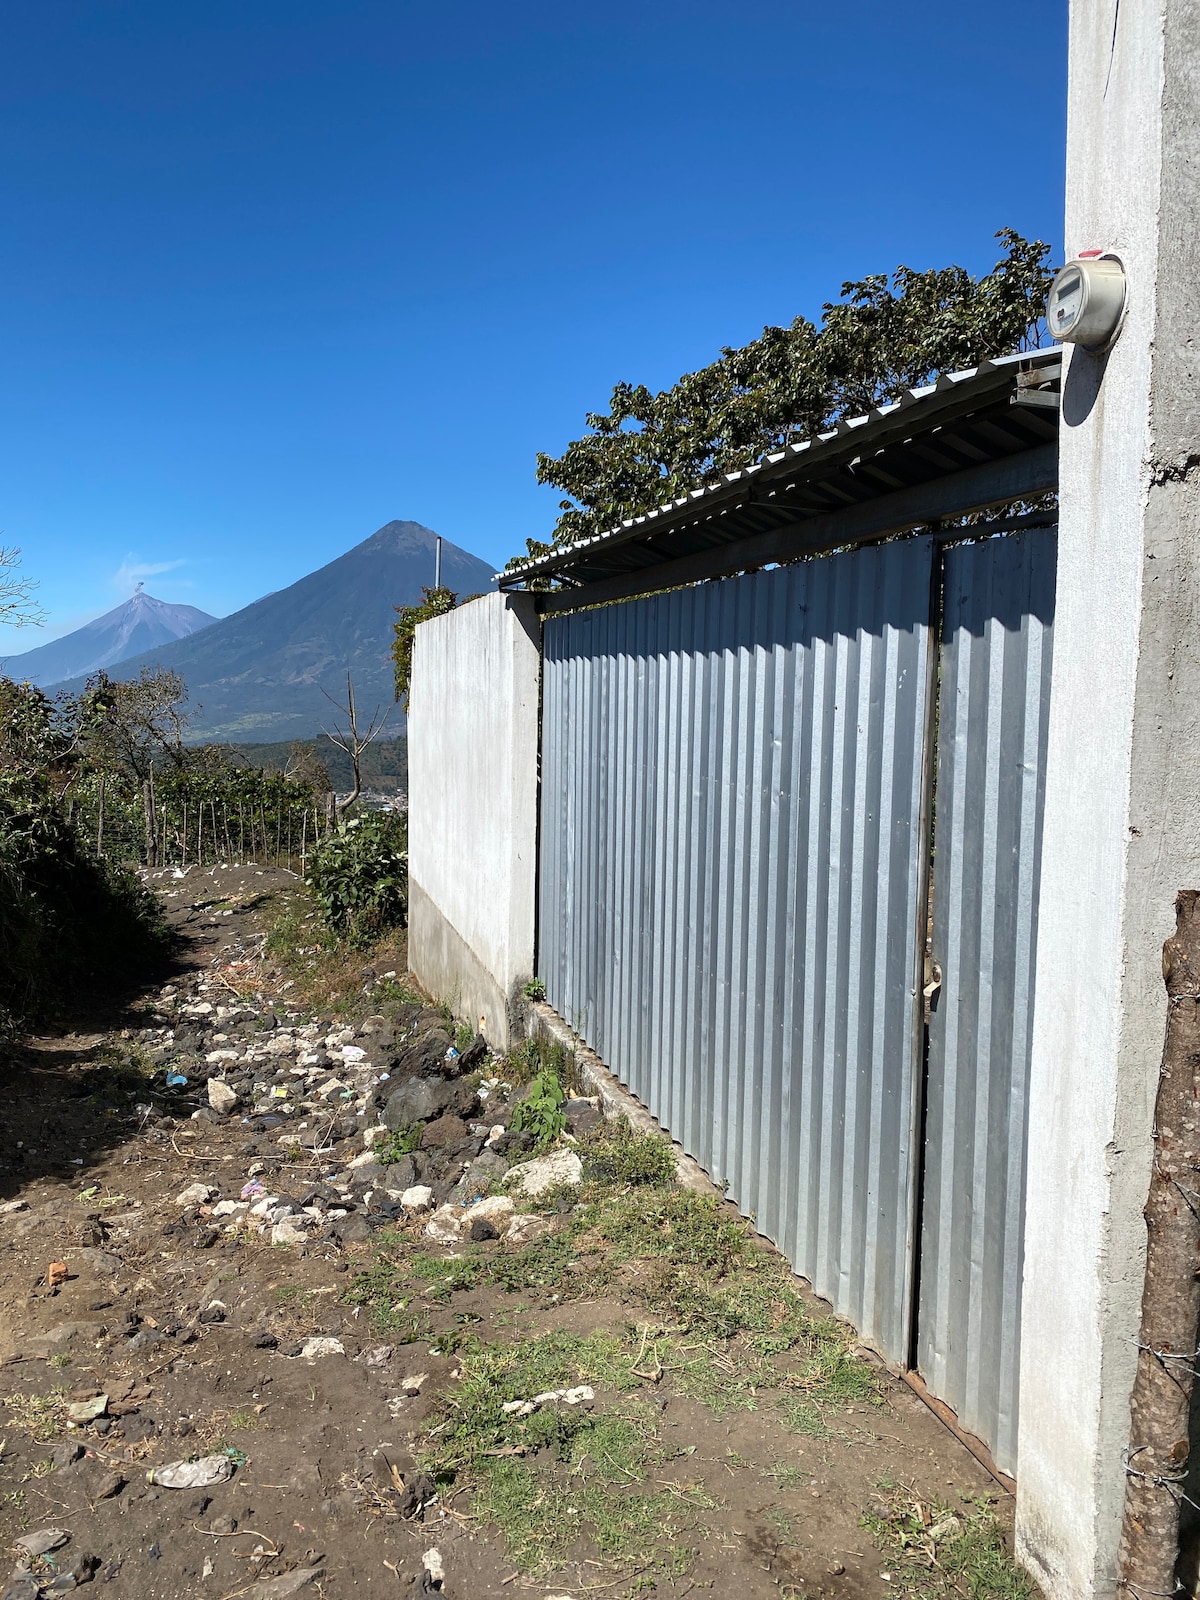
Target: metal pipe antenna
{"x":437,"y":563}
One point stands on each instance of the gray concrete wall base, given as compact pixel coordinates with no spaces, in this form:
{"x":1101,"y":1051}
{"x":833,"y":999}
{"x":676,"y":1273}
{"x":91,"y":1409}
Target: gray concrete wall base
{"x":472,"y":806}
{"x":451,"y":973}
{"x":1123,"y":782}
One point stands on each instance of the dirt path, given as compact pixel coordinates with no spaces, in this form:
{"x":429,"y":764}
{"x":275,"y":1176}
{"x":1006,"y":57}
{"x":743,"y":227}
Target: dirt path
{"x":378,"y":1364}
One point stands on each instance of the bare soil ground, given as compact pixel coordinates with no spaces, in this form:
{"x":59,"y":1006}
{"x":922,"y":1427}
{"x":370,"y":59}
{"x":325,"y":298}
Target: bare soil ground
{"x":733,"y":1439}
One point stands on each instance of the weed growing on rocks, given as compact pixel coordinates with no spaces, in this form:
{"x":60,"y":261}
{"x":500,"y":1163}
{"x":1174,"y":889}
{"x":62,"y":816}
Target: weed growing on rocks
{"x":624,"y":1157}
{"x":936,"y":1551}
{"x":540,"y":1112}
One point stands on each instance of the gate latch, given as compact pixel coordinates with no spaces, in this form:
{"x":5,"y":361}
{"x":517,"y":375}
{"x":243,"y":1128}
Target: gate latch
{"x":933,"y":983}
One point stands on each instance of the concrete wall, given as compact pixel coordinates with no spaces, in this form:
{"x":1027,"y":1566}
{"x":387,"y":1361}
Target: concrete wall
{"x":472,"y":763}
{"x":1122,"y":817}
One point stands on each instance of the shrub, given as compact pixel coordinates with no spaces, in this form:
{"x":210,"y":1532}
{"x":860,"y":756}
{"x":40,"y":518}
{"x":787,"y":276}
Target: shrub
{"x":540,"y":1112}
{"x":68,"y":921}
{"x":359,"y":877}
{"x":619,"y":1155}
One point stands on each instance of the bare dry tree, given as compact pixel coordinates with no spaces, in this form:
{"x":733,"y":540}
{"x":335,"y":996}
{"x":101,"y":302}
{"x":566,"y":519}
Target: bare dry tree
{"x":351,"y":740}
{"x":18,"y":608}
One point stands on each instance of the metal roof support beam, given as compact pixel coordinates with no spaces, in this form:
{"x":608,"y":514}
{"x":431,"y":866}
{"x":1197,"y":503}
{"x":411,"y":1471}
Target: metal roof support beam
{"x":1016,"y":477}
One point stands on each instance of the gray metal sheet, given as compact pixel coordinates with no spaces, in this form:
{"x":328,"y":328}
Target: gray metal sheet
{"x":991,"y":756}
{"x":730,"y":876}
{"x":1021,"y":427}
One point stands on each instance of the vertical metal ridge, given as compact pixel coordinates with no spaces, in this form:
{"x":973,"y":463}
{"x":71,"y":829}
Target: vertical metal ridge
{"x":995,"y":655}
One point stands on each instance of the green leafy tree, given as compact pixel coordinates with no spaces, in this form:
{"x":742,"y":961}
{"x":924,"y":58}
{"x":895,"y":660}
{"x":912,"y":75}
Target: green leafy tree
{"x":437,"y":603}
{"x":884,"y":336}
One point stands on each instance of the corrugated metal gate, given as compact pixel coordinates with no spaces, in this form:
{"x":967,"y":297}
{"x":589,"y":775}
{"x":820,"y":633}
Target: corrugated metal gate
{"x":733,"y":883}
{"x":997,"y":619}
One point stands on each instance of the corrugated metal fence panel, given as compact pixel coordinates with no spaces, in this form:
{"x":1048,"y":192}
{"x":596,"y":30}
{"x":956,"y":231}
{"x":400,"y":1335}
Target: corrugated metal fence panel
{"x":991,"y":757}
{"x":731,"y":810}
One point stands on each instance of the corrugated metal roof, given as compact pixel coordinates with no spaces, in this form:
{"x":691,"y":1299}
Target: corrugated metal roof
{"x":963,"y":420}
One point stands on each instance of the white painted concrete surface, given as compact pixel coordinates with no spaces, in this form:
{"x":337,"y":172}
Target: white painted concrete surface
{"x":1122,"y":816}
{"x":472,"y":764}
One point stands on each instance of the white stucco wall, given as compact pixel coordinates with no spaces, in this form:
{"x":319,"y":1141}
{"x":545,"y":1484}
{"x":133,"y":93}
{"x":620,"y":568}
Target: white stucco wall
{"x":472,"y":775}
{"x":1122,"y":817}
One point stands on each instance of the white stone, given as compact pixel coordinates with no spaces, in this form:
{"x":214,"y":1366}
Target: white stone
{"x":216,"y":1057}
{"x":221,"y":1096}
{"x":546,"y":1172}
{"x":418,"y":1198}
{"x":314,"y":1348}
{"x":373,"y":1135}
{"x":525,"y":1227}
{"x":196,"y":1194}
{"x":229,"y":1208}
{"x":363,"y":1158}
{"x":326,"y":1090}
{"x":290,"y":1230}
{"x":443,"y":1226}
{"x":497,"y":1208}
{"x":280,"y":1044}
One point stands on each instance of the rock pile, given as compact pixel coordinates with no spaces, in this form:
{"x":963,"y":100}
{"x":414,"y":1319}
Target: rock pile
{"x":381,"y":1120}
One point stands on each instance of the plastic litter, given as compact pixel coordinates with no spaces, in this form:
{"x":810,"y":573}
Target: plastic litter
{"x":37,"y":1544}
{"x":193,"y":1474}
{"x":252,"y":1190}
{"x":176,"y":1080}
{"x":568,"y":1397}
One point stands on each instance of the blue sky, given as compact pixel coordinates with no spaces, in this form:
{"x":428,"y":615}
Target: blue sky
{"x":273,"y":272}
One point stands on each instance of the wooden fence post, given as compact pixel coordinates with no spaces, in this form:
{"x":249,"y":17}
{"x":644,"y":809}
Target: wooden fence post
{"x":1157,"y":1459}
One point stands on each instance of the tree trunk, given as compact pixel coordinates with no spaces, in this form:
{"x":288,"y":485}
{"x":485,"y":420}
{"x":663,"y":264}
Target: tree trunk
{"x":1157,"y":1461}
{"x":151,"y":830}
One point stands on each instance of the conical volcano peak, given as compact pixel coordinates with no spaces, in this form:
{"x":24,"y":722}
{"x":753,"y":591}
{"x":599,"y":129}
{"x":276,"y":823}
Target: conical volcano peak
{"x":138,"y":624}
{"x":265,"y":673}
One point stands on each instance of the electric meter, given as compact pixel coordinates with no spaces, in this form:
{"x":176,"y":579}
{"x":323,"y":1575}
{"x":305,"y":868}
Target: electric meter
{"x":1087,"y":300}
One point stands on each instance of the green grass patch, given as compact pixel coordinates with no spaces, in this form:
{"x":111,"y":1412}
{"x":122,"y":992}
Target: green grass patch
{"x":936,"y":1550}
{"x":401,"y":1143}
{"x":41,"y":1416}
{"x":731,"y":1323}
{"x":386,"y":1294}
{"x":564,"y":1478}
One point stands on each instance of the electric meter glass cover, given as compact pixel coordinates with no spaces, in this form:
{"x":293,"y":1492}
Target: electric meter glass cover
{"x":1086,"y":302}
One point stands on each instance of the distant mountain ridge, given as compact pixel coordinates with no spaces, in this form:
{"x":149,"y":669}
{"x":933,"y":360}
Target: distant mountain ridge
{"x":141,"y":623}
{"x":258,"y":675}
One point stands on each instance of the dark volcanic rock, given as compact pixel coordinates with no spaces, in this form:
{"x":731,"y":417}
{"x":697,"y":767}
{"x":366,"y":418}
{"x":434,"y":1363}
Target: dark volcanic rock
{"x":473,"y":1056}
{"x":446,"y":1130}
{"x":418,"y":1100}
{"x":427,"y":1053}
{"x":582,"y":1116}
